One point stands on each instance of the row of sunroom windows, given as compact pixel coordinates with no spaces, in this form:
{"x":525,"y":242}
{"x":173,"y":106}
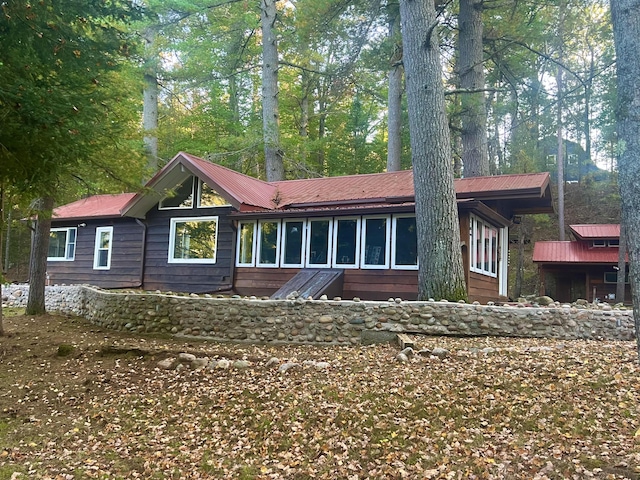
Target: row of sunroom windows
{"x":340,"y":242}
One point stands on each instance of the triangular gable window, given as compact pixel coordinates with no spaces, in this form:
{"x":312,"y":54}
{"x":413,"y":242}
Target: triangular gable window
{"x":180,"y":197}
{"x":208,"y":197}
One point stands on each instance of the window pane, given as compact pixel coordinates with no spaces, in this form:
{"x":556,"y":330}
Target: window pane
{"x":293,"y":242}
{"x":375,"y":241}
{"x":181,"y":197}
{"x":195,"y":240}
{"x":103,"y":258}
{"x":209,"y":197}
{"x":406,"y":241}
{"x":346,"y":242}
{"x":268,"y":242}
{"x":494,"y":250}
{"x":319,"y":242}
{"x":478,"y":246}
{"x":245,"y":254}
{"x":57,"y":244}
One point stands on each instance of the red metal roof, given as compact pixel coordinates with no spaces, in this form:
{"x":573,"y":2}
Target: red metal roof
{"x":248,"y":194}
{"x":573,"y":252}
{"x":501,"y":184}
{"x":93,"y":207}
{"x":596,"y":231}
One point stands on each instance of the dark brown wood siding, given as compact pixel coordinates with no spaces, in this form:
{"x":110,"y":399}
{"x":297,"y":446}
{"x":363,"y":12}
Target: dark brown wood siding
{"x":482,"y":288}
{"x":184,"y":277}
{"x":365,"y":284}
{"x":126,"y":256}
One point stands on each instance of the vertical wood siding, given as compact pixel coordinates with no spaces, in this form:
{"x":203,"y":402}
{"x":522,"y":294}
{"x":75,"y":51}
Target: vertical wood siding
{"x":184,"y":277}
{"x":126,"y":256}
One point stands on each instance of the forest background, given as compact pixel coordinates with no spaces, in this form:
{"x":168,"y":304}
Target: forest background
{"x":190,"y":76}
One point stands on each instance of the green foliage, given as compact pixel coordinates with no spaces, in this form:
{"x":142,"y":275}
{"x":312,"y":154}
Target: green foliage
{"x":63,"y":103}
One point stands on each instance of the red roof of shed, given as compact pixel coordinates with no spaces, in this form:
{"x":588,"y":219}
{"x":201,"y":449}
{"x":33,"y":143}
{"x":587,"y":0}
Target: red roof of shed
{"x":596,"y":231}
{"x":573,"y":252}
{"x":95,"y":206}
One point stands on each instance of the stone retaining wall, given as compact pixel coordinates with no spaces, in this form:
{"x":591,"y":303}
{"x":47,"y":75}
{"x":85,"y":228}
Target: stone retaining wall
{"x":324,"y":321}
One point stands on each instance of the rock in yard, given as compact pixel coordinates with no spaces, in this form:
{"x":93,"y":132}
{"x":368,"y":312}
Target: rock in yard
{"x":287,"y":366}
{"x":167,"y":364}
{"x":402,"y":358}
{"x":408,"y":352}
{"x":200,"y":363}
{"x":440,"y":352}
{"x":186,"y":357}
{"x":272,"y":362}
{"x":241,"y":364}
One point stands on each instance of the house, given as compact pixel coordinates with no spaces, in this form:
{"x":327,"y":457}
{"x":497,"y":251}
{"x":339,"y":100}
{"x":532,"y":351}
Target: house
{"x":200,"y":227}
{"x":584,"y":268}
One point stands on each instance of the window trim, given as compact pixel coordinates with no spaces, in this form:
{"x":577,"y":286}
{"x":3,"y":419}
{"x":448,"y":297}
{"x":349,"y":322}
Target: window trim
{"x":327,"y":264}
{"x":193,"y":198}
{"x":334,"y":249}
{"x":303,"y":244}
{"x":473,"y":257}
{"x":278,"y":245}
{"x":172,"y":240}
{"x":97,"y":249}
{"x":363,"y":243}
{"x":394,"y":239}
{"x":253,"y":243}
{"x":67,"y":243}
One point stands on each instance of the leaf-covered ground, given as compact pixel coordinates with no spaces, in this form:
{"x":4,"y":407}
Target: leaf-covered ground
{"x":529,"y":409}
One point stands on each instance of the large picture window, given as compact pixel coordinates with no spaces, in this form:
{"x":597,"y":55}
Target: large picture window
{"x":375,"y":235}
{"x":268,"y":241}
{"x":62,"y":244}
{"x":102,"y":251}
{"x":484,"y":247}
{"x":246,"y":244}
{"x":404,"y":244}
{"x":193,"y":240}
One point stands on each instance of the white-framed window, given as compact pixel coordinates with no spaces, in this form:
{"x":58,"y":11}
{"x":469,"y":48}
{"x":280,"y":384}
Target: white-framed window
{"x":180,"y":197}
{"x":102,"y":250}
{"x":268,"y":243}
{"x":193,"y":240}
{"x":404,"y":243}
{"x":62,"y":244}
{"x":484,"y":247}
{"x":346,"y":242}
{"x":246,"y":246}
{"x":208,"y":197}
{"x":375,"y":242}
{"x":293,"y":243}
{"x":319,"y":236}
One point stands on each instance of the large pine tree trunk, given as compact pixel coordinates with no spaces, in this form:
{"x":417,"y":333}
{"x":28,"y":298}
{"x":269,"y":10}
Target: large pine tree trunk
{"x":274,"y":163}
{"x":38,"y":264}
{"x":626,"y":31}
{"x":475,"y":155}
{"x":150,"y":101}
{"x":622,"y":266}
{"x":441,"y":275}
{"x":394,"y":115}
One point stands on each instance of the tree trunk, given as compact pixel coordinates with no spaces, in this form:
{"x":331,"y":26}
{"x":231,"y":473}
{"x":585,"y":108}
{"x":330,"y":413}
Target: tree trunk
{"x":441,"y":274}
{"x":394,"y":115}
{"x":274,"y":163}
{"x":560,"y":158}
{"x":475,"y":155}
{"x":2,"y":331}
{"x":150,"y":100}
{"x":622,"y":267}
{"x":38,"y":264}
{"x":626,"y":31}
